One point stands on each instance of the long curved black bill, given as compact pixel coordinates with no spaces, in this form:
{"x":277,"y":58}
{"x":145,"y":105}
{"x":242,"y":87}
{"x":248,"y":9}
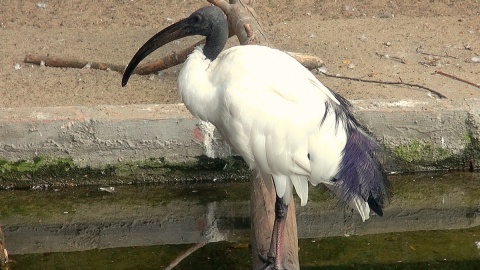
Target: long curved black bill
{"x":173,"y":32}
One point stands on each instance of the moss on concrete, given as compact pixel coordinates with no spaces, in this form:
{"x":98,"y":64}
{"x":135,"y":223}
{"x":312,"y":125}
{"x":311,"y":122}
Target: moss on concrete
{"x":39,"y":170}
{"x":471,"y":153}
{"x":44,"y":172}
{"x":418,"y":155}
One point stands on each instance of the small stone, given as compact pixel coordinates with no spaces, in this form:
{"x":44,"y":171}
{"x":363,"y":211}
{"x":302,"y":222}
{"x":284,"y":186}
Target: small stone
{"x":362,"y":37}
{"x":107,"y":189}
{"x":322,"y":69}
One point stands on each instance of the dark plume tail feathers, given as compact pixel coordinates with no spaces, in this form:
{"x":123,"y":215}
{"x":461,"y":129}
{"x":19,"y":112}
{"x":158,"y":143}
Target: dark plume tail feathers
{"x":360,"y":173}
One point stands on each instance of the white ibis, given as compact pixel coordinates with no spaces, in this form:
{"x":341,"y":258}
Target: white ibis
{"x":275,"y":114}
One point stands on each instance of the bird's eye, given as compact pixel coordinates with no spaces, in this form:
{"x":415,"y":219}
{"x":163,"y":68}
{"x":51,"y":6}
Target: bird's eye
{"x":197,"y":18}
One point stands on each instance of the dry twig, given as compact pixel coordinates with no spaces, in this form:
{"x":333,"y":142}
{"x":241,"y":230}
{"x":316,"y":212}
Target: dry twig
{"x":420,"y":51}
{"x":456,"y":78}
{"x":395,"y":58}
{"x":184,"y":255}
{"x":438,"y":94}
{"x":249,"y":31}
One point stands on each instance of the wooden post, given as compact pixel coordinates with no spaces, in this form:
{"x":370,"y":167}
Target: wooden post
{"x":3,"y":250}
{"x":244,"y":24}
{"x":262,"y":212}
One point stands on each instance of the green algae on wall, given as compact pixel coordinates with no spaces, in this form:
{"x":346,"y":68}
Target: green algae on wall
{"x":418,"y":155}
{"x":44,"y":172}
{"x":415,"y":155}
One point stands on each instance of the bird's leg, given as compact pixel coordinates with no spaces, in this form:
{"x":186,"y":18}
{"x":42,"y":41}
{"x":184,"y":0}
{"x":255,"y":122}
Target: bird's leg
{"x":278,"y":231}
{"x":274,"y":258}
{"x":272,"y":252}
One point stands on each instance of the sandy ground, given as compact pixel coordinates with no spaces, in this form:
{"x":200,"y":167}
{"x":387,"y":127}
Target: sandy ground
{"x":353,"y":38}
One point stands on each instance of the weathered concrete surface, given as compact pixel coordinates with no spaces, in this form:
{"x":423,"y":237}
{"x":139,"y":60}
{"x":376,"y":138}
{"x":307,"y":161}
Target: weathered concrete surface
{"x":441,"y":123}
{"x":101,"y":135}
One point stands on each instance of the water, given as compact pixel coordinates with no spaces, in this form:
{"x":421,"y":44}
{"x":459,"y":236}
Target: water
{"x":432,"y":222}
{"x":454,"y":249}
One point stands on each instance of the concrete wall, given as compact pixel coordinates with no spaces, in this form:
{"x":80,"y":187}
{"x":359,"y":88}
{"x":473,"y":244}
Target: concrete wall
{"x":427,"y":132}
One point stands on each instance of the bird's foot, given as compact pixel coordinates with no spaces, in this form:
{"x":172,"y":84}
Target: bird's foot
{"x":269,"y":263}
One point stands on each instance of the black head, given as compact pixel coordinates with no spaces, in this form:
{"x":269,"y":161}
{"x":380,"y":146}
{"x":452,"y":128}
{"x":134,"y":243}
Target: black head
{"x":208,"y":21}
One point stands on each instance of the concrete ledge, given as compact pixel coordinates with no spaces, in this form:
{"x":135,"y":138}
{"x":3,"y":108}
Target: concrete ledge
{"x":95,"y":136}
{"x":422,"y":133}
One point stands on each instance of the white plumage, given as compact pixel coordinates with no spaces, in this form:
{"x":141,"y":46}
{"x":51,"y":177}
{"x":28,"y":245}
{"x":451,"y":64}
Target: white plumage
{"x":274,"y":120}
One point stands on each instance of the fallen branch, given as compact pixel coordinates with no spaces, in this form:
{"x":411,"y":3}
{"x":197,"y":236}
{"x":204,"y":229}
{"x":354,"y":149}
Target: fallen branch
{"x":52,"y":61}
{"x":171,"y":60}
{"x":456,"y":78}
{"x":383,"y":82}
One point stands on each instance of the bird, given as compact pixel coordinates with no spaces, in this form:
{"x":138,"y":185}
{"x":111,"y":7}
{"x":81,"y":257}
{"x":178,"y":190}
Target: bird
{"x":277,"y":116}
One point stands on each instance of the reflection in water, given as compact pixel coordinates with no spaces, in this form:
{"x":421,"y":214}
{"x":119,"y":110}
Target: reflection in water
{"x":149,"y":226}
{"x":454,"y":249}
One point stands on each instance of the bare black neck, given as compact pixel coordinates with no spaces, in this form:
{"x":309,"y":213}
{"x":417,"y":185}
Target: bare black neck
{"x":216,"y":39}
